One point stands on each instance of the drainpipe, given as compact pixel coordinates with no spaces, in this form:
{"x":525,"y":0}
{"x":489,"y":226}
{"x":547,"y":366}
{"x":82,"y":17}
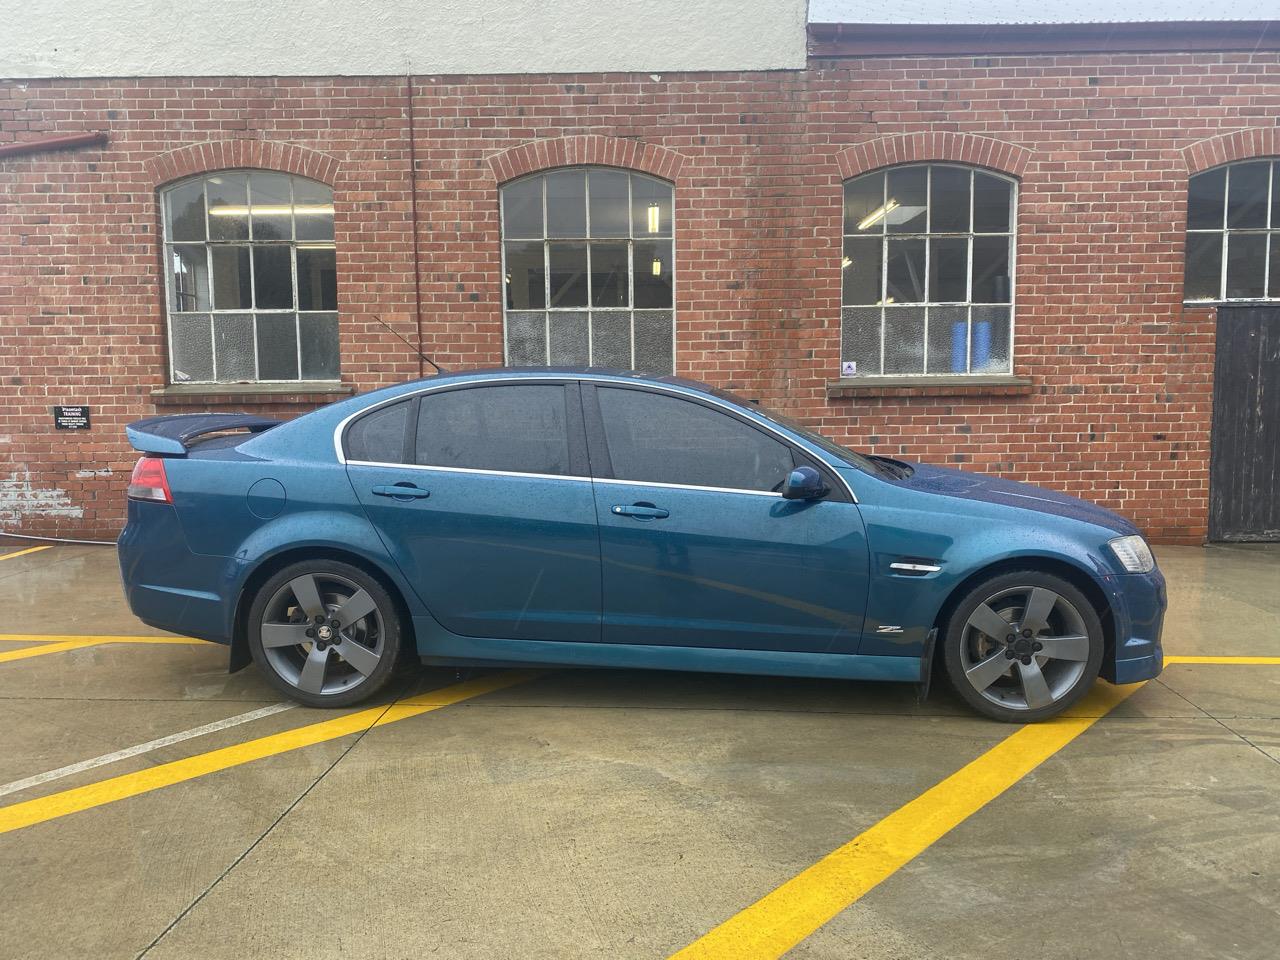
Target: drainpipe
{"x":52,"y":143}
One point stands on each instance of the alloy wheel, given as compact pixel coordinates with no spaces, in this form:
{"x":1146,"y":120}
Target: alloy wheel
{"x":322,"y":633}
{"x":1025,"y":648}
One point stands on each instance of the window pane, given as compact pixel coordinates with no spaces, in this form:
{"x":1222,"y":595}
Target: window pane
{"x":312,"y":210}
{"x":861,"y":266}
{"x":948,"y":269}
{"x":277,"y":347}
{"x":317,"y":278}
{"x":611,"y":339}
{"x":610,"y":208}
{"x":570,"y":346}
{"x":948,"y":336}
{"x":318,"y":333}
{"x":990,"y":270}
{"x":1247,"y":196}
{"x":992,"y":198}
{"x":1205,"y":194}
{"x":1275,"y":268}
{"x":185,"y":207}
{"x":990,"y":340}
{"x":527,"y":339}
{"x":567,"y":204}
{"x":609,"y":275}
{"x":228,"y":206}
{"x":522,"y":209}
{"x":526,"y":276}
{"x":907,"y":189}
{"x":905,"y":271}
{"x":1203,"y":278}
{"x":903,"y":339}
{"x":192,"y":350}
{"x":654,"y":342}
{"x":650,"y":208}
{"x":273,"y":276}
{"x":233,"y":344}
{"x":515,"y":428}
{"x":662,"y":439}
{"x":949,"y":200}
{"x":189,"y":282}
{"x":652,"y":281}
{"x":863,"y":198}
{"x":860,"y":339}
{"x":568,"y":262}
{"x":378,"y":437}
{"x":232,"y":287}
{"x":1246,"y":261}
{"x":271,"y":209}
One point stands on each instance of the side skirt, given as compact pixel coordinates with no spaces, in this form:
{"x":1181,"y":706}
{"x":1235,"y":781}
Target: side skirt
{"x":438,"y":646}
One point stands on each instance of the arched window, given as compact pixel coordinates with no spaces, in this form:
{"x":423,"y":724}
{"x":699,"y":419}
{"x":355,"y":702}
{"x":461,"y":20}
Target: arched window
{"x":588,"y":270}
{"x":1233,"y":216}
{"x":252,"y":283}
{"x":928,"y":272}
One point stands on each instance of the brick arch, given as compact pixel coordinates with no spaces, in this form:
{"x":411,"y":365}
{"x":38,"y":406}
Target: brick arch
{"x":581,"y":151}
{"x":966,"y":148}
{"x":233,"y":154}
{"x":1230,"y":147}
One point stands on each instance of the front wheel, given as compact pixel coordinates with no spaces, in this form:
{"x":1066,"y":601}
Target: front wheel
{"x":325,"y":633}
{"x":1023,"y":646}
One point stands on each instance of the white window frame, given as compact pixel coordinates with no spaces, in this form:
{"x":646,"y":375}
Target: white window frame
{"x":926,"y":235}
{"x":1270,"y":230}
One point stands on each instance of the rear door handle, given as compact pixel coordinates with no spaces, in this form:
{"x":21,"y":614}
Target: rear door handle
{"x":641,"y":511}
{"x":401,"y":491}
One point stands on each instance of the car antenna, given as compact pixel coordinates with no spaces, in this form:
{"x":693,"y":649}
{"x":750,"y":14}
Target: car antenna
{"x":439,"y":369}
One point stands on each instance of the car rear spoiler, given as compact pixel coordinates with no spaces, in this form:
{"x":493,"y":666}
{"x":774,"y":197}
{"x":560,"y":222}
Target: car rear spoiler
{"x":173,"y":434}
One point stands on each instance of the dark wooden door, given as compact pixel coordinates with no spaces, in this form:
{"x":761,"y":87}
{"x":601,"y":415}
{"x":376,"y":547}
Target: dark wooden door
{"x":1244,"y":468}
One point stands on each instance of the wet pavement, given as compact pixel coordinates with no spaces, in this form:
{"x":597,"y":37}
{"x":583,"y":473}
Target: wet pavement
{"x":607,"y":814}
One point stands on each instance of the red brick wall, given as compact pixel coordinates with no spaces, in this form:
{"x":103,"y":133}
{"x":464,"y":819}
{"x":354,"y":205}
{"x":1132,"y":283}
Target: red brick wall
{"x":1102,"y":145}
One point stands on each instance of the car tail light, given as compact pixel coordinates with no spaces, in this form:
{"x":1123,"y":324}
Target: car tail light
{"x":149,"y":481}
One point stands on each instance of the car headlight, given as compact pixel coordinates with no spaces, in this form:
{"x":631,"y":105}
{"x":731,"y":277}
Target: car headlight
{"x":1133,"y":553}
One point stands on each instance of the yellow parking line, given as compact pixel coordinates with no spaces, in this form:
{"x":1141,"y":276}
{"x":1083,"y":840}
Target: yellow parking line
{"x":23,"y":553}
{"x":790,"y":913}
{"x":25,"y":814}
{"x":1244,"y":661}
{"x":92,"y":638}
{"x":44,"y":648}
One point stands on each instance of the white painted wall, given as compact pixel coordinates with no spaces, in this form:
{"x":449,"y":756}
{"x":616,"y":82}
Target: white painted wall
{"x":168,"y":38}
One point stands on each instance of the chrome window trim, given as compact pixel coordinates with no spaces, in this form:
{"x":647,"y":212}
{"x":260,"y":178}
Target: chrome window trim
{"x":578,"y":378}
{"x":483,"y":472}
{"x":684,"y":486}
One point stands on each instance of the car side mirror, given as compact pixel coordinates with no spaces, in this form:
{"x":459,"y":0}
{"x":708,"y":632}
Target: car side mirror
{"x":803,"y":483}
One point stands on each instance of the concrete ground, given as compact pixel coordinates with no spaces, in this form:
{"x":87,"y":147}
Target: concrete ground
{"x":621,"y":815}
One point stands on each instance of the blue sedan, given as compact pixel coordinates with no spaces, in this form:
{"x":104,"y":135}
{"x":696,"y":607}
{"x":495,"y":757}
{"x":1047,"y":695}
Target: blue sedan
{"x":598,"y":518}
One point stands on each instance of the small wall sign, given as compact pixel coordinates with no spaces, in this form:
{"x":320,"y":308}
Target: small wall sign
{"x":848,"y":369}
{"x":71,"y":418}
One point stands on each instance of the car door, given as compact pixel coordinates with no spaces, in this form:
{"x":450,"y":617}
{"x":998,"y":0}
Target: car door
{"x":699,"y":549}
{"x":481,"y":494}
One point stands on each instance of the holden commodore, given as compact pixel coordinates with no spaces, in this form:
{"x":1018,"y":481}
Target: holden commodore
{"x":600,"y":518}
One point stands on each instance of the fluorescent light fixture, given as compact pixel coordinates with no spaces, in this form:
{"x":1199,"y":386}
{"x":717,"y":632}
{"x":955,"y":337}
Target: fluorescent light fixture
{"x":846,"y":263}
{"x":260,"y":210}
{"x":877,"y":214}
{"x":655,"y":213}
{"x":657,"y":267}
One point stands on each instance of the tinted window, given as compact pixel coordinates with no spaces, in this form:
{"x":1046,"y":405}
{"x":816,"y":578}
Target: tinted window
{"x":662,"y":439}
{"x":517,"y":428}
{"x":379,"y":436}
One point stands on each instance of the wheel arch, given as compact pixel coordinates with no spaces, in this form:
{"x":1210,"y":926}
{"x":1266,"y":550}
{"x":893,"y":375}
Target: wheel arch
{"x":1076,"y":576}
{"x":272,"y":564}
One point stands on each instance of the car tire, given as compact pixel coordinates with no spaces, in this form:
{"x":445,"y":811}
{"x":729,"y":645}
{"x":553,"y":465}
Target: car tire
{"x":325,"y":633}
{"x":1039,"y":653}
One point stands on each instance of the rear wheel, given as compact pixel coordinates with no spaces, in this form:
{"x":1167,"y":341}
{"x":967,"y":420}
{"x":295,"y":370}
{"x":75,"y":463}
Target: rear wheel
{"x":325,"y":633}
{"x":1023,"y":646}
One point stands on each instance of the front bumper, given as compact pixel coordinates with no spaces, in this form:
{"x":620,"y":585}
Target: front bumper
{"x":1138,"y":602}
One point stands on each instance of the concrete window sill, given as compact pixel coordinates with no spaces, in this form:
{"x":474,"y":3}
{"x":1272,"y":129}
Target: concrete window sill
{"x":214,"y":394}
{"x":946,"y":386}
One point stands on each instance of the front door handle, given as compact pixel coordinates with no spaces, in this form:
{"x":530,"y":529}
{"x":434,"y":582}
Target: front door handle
{"x":401,"y":491}
{"x":641,"y":511}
